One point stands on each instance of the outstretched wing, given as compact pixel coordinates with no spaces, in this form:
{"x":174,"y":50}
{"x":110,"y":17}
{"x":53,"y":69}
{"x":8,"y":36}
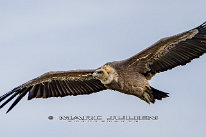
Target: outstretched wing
{"x":169,"y":52}
{"x":56,"y":84}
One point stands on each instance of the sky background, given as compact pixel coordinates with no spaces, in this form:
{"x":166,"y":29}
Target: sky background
{"x":37,"y":36}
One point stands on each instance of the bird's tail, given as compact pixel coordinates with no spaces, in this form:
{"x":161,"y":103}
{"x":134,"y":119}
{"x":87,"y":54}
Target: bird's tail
{"x":151,"y":94}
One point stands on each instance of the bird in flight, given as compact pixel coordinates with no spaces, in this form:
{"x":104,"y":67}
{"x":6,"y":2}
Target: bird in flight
{"x":129,"y":76}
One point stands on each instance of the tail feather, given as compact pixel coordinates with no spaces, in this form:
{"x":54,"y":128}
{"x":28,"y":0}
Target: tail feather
{"x":159,"y":94}
{"x":154,"y":94}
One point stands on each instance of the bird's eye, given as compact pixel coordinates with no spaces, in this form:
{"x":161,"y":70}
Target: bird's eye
{"x":100,"y":72}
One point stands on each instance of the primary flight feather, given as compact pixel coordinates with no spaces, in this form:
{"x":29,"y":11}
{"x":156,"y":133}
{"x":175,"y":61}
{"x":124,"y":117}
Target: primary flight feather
{"x":128,"y":76}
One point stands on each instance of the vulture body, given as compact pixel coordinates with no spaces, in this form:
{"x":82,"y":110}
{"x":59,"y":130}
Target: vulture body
{"x":128,"y":76}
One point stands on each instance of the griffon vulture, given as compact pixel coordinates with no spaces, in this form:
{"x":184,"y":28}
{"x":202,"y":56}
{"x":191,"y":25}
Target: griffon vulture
{"x":128,"y":76}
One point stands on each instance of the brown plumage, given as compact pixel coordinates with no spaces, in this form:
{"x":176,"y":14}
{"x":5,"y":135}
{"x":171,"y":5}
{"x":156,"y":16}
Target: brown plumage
{"x":128,"y":76}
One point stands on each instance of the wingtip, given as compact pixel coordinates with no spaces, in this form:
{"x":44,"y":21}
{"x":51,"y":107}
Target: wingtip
{"x":6,"y":95}
{"x":202,"y":27}
{"x":204,"y":24}
{"x":14,"y":93}
{"x":7,"y":111}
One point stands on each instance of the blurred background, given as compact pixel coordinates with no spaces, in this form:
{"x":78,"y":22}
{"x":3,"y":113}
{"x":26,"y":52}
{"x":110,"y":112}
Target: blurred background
{"x":51,"y":35}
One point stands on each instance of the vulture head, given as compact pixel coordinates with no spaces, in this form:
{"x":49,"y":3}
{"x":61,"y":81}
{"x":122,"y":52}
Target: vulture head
{"x":106,"y":74}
